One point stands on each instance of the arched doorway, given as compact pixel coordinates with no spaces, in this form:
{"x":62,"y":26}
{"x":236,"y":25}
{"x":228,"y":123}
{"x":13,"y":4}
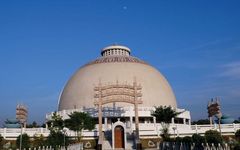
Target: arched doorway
{"x":119,"y":137}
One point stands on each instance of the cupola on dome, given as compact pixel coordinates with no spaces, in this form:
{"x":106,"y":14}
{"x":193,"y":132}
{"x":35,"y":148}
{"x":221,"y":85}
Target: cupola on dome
{"x":116,"y":50}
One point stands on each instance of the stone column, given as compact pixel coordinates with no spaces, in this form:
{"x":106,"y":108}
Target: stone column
{"x":100,"y":136}
{"x":138,"y":143}
{"x":136,"y":122}
{"x":131,"y":122}
{"x":196,"y":128}
{"x":106,"y":123}
{"x":100,"y":123}
{"x":4,"y":132}
{"x":46,"y":125}
{"x":173,"y":121}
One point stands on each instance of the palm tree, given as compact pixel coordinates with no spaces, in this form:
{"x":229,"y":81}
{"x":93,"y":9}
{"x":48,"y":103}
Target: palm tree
{"x":164,"y":114}
{"x":78,"y":121}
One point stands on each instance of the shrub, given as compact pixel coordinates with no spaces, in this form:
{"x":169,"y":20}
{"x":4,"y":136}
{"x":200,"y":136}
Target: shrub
{"x":178,"y":139}
{"x":237,"y":146}
{"x":198,"y":140}
{"x":187,"y":140}
{"x":166,"y":139}
{"x":213,"y":136}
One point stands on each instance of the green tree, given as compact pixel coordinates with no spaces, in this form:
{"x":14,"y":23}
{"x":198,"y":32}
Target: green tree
{"x":25,"y":141}
{"x":201,"y":122}
{"x":43,"y":125}
{"x":56,"y":123}
{"x":237,"y":135}
{"x":236,"y":121}
{"x":164,"y":115}
{"x":56,"y":136}
{"x":33,"y":125}
{"x":78,"y":121}
{"x":1,"y":142}
{"x":213,"y":136}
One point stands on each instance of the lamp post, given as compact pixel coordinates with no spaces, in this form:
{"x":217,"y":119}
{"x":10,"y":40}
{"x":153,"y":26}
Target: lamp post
{"x":64,"y":130}
{"x":174,"y":128}
{"x":20,"y":145}
{"x":219,"y":116}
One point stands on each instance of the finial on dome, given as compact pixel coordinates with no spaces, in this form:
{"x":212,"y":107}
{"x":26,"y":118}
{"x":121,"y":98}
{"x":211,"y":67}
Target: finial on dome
{"x":116,"y":49}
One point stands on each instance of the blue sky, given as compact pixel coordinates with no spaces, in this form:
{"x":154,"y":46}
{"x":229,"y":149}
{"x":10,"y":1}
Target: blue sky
{"x":195,"y":44}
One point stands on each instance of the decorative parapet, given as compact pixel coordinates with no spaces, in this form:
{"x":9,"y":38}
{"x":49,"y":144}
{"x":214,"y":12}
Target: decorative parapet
{"x":116,"y":59}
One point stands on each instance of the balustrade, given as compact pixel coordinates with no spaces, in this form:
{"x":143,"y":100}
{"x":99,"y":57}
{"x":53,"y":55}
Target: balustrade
{"x":145,"y":129}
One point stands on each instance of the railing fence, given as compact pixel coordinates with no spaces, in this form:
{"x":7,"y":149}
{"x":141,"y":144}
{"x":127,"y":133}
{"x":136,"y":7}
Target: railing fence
{"x":188,"y":146}
{"x":69,"y":147}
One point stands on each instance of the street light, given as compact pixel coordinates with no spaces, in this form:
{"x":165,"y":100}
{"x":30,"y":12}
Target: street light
{"x":21,"y":139}
{"x":219,"y":116}
{"x":174,"y":128}
{"x":64,"y":130}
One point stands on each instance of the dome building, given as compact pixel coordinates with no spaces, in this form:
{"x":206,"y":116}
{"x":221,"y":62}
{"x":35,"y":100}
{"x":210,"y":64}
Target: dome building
{"x":116,"y":64}
{"x":117,"y":72}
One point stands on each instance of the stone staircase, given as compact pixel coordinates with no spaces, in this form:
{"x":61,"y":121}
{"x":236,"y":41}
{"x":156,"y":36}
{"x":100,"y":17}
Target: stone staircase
{"x":129,"y":145}
{"x":106,"y":145}
{"x":107,"y":142}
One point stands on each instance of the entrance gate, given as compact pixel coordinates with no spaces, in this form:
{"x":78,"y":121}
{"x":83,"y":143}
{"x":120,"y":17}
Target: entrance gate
{"x":126,"y":93}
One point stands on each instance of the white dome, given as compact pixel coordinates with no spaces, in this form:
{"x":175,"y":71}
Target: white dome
{"x":121,"y":67}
